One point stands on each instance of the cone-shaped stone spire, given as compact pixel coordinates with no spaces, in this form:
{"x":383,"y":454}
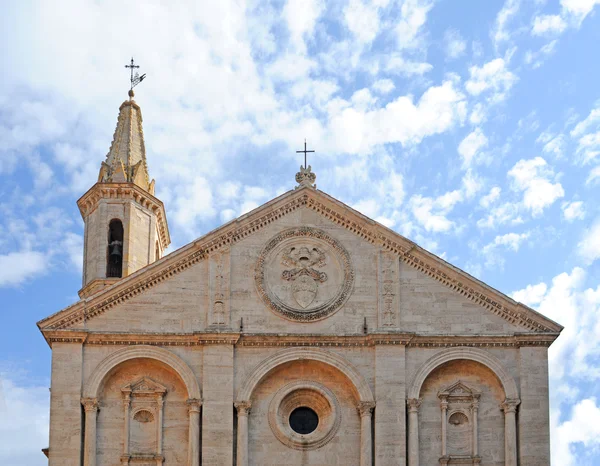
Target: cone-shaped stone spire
{"x":126,"y":159}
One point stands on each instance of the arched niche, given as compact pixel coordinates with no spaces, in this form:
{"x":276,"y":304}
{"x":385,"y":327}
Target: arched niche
{"x":95,"y":380}
{"x":294,"y":354}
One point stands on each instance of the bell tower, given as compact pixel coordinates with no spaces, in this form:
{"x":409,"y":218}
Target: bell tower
{"x":125,"y":225}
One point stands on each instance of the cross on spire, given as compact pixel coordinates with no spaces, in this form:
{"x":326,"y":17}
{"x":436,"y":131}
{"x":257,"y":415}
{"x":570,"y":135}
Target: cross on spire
{"x":135,"y":79}
{"x":305,"y":152}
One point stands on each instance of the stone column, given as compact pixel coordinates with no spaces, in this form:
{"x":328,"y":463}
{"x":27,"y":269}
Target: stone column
{"x":194,"y":432}
{"x":90,"y":405}
{"x":243,"y":410}
{"x":126,"y":407}
{"x":413,"y":431}
{"x":365,"y":409}
{"x":444,"y":424}
{"x":474,"y":414}
{"x":510,"y":431}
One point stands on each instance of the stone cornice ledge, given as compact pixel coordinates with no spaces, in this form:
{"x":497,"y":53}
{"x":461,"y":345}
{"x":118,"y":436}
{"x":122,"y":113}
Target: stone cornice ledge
{"x":294,"y":340}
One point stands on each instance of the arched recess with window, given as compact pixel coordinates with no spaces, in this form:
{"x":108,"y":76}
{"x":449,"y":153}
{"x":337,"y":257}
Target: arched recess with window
{"x":114,"y":250}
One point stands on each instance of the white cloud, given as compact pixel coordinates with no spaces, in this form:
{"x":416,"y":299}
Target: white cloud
{"x":413,"y":15}
{"x":18,"y":267}
{"x":478,"y":115}
{"x":589,"y":246}
{"x":397,"y":64}
{"x":438,"y":109}
{"x":548,"y":24}
{"x":534,"y":178}
{"x":531,"y":295}
{"x":432,"y":213}
{"x":593,"y":176}
{"x":454,"y":44}
{"x":362,"y":20}
{"x":24,"y":421}
{"x":472,"y":184}
{"x":492,"y":76}
{"x":507,"y":213}
{"x":582,"y":427}
{"x":510,"y":241}
{"x":573,"y":210}
{"x":384,"y":86}
{"x":301,"y":17}
{"x":491,"y":197}
{"x":587,"y":133}
{"x":508,"y":11}
{"x":471,"y":145}
{"x":579,"y":9}
{"x":555,"y":146}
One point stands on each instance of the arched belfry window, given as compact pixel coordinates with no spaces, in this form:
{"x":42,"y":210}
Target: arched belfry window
{"x":114,"y":261}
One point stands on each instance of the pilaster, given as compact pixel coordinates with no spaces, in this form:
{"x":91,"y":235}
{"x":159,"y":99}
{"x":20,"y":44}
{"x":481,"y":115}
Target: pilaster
{"x":217,"y":406}
{"x":390,"y":388}
{"x":534,"y":415}
{"x":66,"y":427}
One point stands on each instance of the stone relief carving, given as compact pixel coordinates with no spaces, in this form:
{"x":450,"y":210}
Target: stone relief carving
{"x":304,"y":274}
{"x":388,"y":286}
{"x":219,"y":266}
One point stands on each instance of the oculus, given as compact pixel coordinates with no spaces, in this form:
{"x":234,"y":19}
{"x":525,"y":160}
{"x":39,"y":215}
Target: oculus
{"x":304,"y":274}
{"x":304,"y":415}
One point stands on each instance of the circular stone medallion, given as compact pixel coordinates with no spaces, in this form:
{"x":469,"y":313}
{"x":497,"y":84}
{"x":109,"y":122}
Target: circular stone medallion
{"x":304,"y":274}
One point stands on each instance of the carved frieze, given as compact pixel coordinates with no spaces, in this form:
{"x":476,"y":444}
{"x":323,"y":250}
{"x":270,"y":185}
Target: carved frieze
{"x":304,"y":274}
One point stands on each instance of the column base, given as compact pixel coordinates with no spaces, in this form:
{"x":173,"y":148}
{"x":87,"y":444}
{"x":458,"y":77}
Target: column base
{"x":459,"y":459}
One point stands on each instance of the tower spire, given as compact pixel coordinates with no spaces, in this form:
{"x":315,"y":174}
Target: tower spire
{"x":126,"y":158}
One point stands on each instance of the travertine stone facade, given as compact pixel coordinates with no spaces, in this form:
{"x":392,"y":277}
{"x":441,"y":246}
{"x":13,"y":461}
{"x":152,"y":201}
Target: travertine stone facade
{"x":205,"y":356}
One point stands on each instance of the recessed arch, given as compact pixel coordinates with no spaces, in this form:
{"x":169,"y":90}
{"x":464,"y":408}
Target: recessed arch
{"x":471,"y":354}
{"x":147,"y":352}
{"x":299,"y":354}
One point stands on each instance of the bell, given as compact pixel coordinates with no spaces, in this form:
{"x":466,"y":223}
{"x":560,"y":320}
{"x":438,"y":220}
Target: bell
{"x":116,"y":249}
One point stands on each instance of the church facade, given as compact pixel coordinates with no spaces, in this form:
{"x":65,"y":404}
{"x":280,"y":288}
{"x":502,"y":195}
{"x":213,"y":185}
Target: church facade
{"x":301,"y":333}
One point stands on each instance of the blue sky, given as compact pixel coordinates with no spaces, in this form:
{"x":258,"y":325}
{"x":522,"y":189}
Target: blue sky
{"x":472,"y":128}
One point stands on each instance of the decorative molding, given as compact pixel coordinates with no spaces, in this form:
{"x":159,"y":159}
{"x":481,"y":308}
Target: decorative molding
{"x":127,"y":191}
{"x":414,"y":404}
{"x":90,"y":404}
{"x":510,"y":405}
{"x":472,"y":354}
{"x":194,"y":404}
{"x":165,"y":356}
{"x":310,"y":394}
{"x":335,"y":211}
{"x":409,"y":340}
{"x":300,"y":354}
{"x":320,"y":311}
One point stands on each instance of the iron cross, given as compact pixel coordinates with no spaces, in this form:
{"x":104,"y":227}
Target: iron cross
{"x":305,"y":152}
{"x":135,"y":80}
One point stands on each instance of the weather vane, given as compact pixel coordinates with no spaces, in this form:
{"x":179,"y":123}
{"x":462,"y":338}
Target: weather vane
{"x":135,"y":78}
{"x":305,"y":152}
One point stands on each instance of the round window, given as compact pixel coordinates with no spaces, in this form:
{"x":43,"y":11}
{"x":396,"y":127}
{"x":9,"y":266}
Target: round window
{"x":304,"y":420}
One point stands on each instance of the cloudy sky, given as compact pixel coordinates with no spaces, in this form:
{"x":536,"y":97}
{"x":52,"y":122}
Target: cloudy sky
{"x":471,"y":127}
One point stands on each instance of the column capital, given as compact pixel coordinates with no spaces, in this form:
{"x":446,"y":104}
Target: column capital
{"x":365,"y":408}
{"x":413,"y":404}
{"x":243,"y":407}
{"x":510,"y":405}
{"x":194,"y":405}
{"x":90,"y":404}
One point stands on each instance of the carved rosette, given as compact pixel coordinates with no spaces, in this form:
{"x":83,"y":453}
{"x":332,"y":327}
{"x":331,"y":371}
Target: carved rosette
{"x":303,"y":274}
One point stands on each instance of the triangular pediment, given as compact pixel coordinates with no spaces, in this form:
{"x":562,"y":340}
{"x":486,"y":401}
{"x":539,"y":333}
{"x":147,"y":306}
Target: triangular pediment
{"x":144,"y":386}
{"x":459,"y":389}
{"x":340,"y":215}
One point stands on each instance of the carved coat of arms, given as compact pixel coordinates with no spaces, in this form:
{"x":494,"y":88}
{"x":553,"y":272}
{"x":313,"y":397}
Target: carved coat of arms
{"x":304,"y":277}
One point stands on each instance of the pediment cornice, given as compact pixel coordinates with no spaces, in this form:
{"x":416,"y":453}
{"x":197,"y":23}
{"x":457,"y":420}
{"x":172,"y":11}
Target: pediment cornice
{"x":339,"y":213}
